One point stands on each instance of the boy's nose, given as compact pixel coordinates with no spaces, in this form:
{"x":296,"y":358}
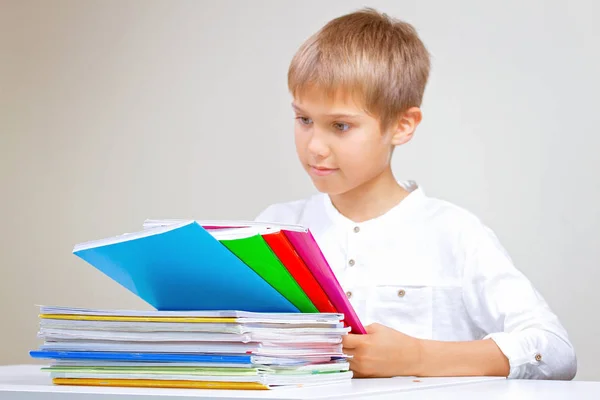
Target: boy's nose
{"x":317,"y":145}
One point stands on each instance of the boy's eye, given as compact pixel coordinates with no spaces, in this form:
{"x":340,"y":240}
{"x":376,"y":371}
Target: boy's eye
{"x":304,"y":120}
{"x":340,"y":126}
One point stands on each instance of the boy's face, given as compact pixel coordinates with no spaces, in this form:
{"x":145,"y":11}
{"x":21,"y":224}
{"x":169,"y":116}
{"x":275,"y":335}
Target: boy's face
{"x":338,"y":143}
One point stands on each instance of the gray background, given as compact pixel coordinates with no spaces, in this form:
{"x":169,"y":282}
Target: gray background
{"x":116,"y":111}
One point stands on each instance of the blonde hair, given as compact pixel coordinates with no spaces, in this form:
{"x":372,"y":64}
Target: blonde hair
{"x":366,"y":54}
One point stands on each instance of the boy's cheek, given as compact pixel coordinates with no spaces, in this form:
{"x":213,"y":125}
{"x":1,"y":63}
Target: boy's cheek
{"x":301,"y":149}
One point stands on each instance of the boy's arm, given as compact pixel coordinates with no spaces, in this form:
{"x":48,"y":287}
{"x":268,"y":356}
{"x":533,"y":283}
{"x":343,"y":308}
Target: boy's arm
{"x":526,"y":339}
{"x":504,"y":303}
{"x":385,"y":352}
{"x":475,"y":358}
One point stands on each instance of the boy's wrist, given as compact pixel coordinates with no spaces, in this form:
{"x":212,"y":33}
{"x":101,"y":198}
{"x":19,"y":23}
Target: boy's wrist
{"x":411,"y":357}
{"x":419,"y":367}
{"x":469,"y":358}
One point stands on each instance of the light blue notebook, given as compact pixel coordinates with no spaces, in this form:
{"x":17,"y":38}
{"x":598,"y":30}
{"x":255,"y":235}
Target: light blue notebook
{"x":182,"y":267}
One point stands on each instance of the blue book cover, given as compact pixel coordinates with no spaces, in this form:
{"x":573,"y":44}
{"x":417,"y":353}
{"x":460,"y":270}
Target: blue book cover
{"x":182,"y":267}
{"x":141,"y":357}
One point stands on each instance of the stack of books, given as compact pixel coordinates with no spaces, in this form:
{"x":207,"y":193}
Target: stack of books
{"x":224,"y":350}
{"x":237,"y":304}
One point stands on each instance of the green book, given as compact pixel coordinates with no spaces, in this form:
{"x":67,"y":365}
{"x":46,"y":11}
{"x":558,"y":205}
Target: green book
{"x":256,"y":253}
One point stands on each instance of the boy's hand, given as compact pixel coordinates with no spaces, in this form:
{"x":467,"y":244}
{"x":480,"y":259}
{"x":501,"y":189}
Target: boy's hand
{"x":383,"y":352}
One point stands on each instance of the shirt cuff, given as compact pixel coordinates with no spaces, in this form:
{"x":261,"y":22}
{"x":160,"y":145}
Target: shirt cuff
{"x":518,"y":356}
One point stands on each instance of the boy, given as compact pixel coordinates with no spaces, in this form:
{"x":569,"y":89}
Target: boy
{"x":438,"y":293}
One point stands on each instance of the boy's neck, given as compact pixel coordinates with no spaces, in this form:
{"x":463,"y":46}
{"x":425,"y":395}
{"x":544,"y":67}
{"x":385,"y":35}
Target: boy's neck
{"x":370,"y":200}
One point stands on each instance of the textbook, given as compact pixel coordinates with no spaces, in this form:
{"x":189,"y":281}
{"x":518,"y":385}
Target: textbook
{"x":179,"y":265}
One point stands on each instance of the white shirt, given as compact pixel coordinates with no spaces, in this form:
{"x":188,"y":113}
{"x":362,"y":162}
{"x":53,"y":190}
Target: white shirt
{"x":432,"y":270}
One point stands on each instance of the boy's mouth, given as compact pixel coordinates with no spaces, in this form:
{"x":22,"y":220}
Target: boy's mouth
{"x":320,"y":170}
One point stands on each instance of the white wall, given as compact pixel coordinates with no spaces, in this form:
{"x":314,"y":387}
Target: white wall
{"x":115,"y":111}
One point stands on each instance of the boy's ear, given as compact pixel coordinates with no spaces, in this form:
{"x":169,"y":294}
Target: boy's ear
{"x":405,"y":128}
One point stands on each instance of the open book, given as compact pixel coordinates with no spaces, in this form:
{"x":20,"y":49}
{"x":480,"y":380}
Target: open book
{"x":222,"y":265}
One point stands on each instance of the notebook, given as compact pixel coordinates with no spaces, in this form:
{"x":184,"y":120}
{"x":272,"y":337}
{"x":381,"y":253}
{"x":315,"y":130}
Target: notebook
{"x":222,"y":265}
{"x":183,"y":267}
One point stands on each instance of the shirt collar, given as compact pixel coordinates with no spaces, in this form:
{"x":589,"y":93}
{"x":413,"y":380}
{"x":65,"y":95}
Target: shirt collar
{"x":400,"y":210}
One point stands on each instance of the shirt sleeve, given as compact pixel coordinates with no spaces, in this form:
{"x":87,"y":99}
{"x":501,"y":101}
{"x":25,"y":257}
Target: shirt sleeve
{"x":510,"y":311}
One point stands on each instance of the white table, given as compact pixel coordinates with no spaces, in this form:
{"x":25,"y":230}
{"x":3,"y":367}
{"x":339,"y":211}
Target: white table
{"x":27,"y":382}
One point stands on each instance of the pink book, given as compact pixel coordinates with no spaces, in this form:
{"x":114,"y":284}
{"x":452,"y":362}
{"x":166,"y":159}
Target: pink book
{"x":306,"y":246}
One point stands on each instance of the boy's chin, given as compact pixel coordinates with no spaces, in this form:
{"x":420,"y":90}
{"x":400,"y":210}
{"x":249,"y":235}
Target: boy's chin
{"x":329,"y":188}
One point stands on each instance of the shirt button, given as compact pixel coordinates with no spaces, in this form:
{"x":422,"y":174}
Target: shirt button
{"x":538,"y":357}
{"x":348,"y":294}
{"x":351,"y":262}
{"x":401,"y":293}
{"x":356,"y":229}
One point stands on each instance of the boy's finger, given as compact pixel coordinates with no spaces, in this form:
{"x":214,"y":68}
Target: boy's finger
{"x":373,"y":328}
{"x":355,"y":368}
{"x":349,"y":352}
{"x":351,"y":341}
